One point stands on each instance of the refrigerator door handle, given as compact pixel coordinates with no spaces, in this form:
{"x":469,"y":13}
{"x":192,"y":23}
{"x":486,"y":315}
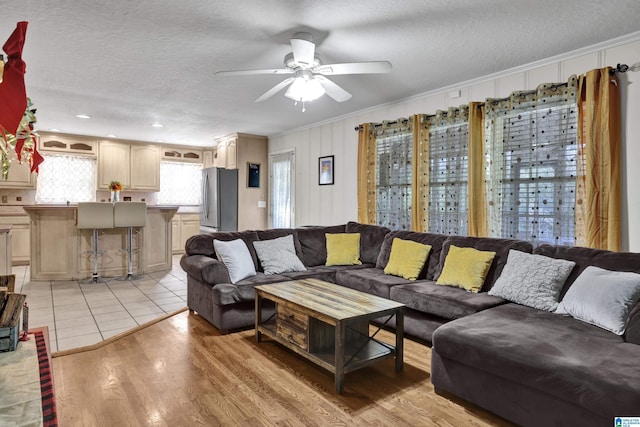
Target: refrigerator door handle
{"x":205,"y":197}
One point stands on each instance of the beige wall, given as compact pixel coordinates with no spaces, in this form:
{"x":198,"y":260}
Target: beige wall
{"x":335,"y":204}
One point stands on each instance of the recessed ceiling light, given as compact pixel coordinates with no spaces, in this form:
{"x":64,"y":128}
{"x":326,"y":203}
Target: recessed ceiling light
{"x":83,"y":116}
{"x":111,"y":136}
{"x":157,"y":125}
{"x":54,"y":130}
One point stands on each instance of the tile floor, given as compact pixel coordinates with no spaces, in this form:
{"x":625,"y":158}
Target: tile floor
{"x":83,"y":314}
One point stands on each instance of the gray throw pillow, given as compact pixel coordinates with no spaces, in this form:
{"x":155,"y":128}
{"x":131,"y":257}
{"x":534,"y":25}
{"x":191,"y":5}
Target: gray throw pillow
{"x":532,"y":280}
{"x":236,"y":257}
{"x":278,"y":255}
{"x":603,"y":298}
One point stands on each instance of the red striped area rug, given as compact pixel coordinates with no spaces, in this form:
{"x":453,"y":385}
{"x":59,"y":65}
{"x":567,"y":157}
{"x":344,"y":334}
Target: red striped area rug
{"x":49,"y":417}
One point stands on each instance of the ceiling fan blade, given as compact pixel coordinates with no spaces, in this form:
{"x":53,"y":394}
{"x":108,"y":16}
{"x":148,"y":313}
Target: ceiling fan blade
{"x":253,"y":72}
{"x":304,"y":49}
{"x":333,"y":90}
{"x":277,"y":88}
{"x":373,"y":67}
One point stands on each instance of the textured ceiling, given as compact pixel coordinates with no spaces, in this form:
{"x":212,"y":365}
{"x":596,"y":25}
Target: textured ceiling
{"x":129,"y":64}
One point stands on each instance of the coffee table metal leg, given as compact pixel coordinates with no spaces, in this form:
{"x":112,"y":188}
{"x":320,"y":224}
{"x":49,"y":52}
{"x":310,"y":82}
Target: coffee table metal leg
{"x":258,"y":315}
{"x":339,"y":356}
{"x":399,"y":340}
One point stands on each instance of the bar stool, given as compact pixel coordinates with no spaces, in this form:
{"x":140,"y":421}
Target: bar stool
{"x":130,"y":215}
{"x":95,"y":216}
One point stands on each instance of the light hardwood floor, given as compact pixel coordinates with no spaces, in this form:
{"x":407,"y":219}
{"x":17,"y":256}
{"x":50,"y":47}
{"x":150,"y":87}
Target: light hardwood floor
{"x":182,"y":371}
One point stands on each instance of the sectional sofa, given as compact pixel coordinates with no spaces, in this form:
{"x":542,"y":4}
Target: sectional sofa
{"x":531,"y":366}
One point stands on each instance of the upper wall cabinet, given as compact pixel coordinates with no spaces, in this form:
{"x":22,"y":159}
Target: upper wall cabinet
{"x":145,"y":167}
{"x":135,"y":166}
{"x":62,"y":143}
{"x":182,"y":154}
{"x":20,"y":176}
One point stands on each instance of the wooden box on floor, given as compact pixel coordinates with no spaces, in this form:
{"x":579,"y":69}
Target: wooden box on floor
{"x":9,"y":338}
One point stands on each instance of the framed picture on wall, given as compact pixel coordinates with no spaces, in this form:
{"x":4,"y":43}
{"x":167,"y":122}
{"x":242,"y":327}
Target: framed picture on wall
{"x":325,"y":170}
{"x":253,"y":175}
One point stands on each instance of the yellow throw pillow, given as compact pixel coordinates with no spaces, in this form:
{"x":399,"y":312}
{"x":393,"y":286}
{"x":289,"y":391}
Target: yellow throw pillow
{"x":466,"y":268}
{"x":407,"y":258}
{"x":343,"y":249}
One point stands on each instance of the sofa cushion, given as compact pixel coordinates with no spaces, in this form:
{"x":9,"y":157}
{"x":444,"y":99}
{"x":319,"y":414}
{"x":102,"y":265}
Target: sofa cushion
{"x":442,"y":301}
{"x":243,"y":291}
{"x":278,"y":255}
{"x":343,"y":249}
{"x":236,"y":257}
{"x":433,"y":240}
{"x":602,"y":297}
{"x":370,"y":280}
{"x":584,"y":257}
{"x":466,"y":268}
{"x":274,"y":233}
{"x":371,"y":238}
{"x":313,"y":243}
{"x":500,"y":246}
{"x":407,"y":258}
{"x":556,"y":355}
{"x":202,"y":244}
{"x":532,"y":280}
{"x":321,"y":272}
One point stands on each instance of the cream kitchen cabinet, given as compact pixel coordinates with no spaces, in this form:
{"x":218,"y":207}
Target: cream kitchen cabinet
{"x":208,"y":157}
{"x":114,"y":164}
{"x":20,"y":237}
{"x":20,"y":176}
{"x":145,"y":167}
{"x":184,"y":226}
{"x":5,"y":250}
{"x":135,"y":166}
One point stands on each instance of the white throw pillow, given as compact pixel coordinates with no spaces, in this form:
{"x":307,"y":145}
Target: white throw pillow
{"x":278,"y":255}
{"x":603,"y":298}
{"x":532,"y":280}
{"x":236,"y":257}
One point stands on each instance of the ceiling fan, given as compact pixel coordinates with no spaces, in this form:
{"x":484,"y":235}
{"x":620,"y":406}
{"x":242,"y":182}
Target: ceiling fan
{"x":308,"y":81}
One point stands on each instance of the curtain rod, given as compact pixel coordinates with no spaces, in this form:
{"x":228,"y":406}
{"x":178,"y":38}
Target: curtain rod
{"x":620,"y":68}
{"x":377,"y":125}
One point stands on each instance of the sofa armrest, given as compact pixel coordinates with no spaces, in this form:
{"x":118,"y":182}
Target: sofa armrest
{"x":205,"y":269}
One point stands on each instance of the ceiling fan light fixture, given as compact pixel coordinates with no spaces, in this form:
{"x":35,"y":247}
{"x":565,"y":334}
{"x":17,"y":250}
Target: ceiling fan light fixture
{"x":304,"y":89}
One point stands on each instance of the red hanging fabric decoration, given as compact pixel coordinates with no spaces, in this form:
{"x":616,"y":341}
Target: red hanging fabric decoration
{"x":12,"y":91}
{"x":36,"y":159}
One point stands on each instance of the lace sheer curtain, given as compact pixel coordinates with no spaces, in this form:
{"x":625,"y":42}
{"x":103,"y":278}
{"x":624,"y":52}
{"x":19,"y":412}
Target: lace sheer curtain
{"x":65,"y":178}
{"x":448,"y":171}
{"x":281,"y":200}
{"x":180,"y":183}
{"x":394,"y":155}
{"x":531,"y":164}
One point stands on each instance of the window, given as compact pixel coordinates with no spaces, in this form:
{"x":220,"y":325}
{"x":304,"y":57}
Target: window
{"x":281,"y":194}
{"x":180,"y":183}
{"x":394,"y":147}
{"x":531,"y":153}
{"x":448,"y":170}
{"x":65,"y":178}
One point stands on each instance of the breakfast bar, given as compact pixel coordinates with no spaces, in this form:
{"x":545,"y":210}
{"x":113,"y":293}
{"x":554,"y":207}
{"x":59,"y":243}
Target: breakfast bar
{"x":61,"y":251}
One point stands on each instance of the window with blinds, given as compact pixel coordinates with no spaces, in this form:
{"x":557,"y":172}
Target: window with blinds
{"x":394,"y":152}
{"x":448,"y":172}
{"x":531,"y":151}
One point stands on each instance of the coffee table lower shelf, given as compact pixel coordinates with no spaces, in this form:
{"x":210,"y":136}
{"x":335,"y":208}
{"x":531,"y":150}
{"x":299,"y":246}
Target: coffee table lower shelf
{"x":355,"y":356}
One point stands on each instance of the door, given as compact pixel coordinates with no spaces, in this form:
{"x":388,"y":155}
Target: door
{"x":282,"y":190}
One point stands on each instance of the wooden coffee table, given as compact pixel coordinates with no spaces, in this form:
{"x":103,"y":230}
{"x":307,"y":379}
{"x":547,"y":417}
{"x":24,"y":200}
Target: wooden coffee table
{"x":329,"y":324}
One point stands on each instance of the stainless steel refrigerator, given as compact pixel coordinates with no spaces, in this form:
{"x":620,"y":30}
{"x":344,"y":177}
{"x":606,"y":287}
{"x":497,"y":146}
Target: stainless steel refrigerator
{"x":219,"y":210}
